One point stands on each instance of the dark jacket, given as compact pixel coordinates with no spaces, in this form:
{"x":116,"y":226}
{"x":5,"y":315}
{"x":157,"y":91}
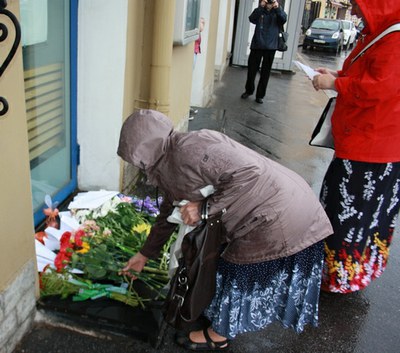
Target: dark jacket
{"x":271,"y":212}
{"x":268,"y":24}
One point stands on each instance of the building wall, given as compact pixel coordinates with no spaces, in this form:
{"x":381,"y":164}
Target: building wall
{"x":18,"y":279}
{"x":206,"y":67}
{"x":158,"y":75}
{"x":102,"y":45}
{"x":209,"y":73}
{"x":224,"y":35}
{"x":338,"y":9}
{"x":120,"y":69}
{"x":181,"y":84}
{"x":323,"y":9}
{"x":117,"y":73}
{"x":136,"y":77}
{"x":198,"y":96}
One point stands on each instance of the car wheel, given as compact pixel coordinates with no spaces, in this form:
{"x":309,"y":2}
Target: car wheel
{"x":304,"y":46}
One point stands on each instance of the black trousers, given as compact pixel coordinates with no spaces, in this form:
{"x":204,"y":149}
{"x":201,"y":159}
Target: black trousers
{"x":255,"y":57}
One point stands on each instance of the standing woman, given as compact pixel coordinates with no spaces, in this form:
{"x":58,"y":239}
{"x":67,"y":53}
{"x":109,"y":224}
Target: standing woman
{"x":361,"y":189}
{"x":269,"y":18}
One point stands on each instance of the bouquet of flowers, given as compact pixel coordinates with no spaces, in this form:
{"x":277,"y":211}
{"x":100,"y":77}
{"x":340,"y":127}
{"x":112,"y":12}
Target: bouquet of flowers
{"x":105,"y":240}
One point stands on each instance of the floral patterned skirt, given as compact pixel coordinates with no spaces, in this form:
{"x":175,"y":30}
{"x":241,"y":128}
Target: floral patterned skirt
{"x":250,"y":297}
{"x":362,"y":203}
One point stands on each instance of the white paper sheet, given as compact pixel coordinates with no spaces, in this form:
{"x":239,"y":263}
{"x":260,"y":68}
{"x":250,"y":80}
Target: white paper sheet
{"x":44,"y":252}
{"x":42,"y":263}
{"x":51,"y":243}
{"x":310,"y":72}
{"x":92,"y":199}
{"x":68,"y":223}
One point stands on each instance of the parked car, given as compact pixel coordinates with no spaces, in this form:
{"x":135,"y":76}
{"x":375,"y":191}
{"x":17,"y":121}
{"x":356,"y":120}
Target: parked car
{"x":350,"y":34}
{"x":359,"y":29}
{"x":325,"y":33}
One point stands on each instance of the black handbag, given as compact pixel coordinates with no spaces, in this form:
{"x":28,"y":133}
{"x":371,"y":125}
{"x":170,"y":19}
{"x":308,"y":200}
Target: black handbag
{"x":193,"y":285}
{"x":322,"y":134}
{"x":282,"y":40}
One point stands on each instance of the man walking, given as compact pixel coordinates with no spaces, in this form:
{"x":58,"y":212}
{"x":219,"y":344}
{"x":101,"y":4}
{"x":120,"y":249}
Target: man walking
{"x":269,"y":18}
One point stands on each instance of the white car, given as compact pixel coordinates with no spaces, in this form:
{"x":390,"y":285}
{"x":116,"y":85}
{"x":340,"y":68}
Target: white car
{"x":350,"y":34}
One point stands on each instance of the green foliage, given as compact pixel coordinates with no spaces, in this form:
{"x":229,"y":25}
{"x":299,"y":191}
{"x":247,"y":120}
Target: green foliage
{"x":110,"y":239}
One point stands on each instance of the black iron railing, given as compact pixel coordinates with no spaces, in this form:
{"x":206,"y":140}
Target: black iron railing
{"x":4,"y":33}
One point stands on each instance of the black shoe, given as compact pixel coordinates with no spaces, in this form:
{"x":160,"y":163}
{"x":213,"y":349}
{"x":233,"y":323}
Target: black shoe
{"x":245,"y":95}
{"x":259,"y":100}
{"x":184,"y":340}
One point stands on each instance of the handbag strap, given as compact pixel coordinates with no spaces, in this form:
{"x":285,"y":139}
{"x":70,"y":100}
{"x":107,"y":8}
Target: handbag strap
{"x":204,"y":211}
{"x":393,"y":28}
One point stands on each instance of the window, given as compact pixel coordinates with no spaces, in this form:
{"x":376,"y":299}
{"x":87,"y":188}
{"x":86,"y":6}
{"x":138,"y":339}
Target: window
{"x":49,"y":54}
{"x":187,"y":15}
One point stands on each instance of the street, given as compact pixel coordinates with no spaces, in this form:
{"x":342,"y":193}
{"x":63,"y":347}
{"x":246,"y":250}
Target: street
{"x":364,"y":322}
{"x":320,"y":57}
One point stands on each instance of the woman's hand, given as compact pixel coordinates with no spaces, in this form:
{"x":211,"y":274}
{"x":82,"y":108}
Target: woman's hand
{"x":191,"y":213}
{"x":135,"y":263}
{"x":324,"y":70}
{"x":324,"y":81}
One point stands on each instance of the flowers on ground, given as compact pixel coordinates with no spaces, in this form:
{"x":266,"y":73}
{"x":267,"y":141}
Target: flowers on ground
{"x":147,"y":205}
{"x":100,"y":248}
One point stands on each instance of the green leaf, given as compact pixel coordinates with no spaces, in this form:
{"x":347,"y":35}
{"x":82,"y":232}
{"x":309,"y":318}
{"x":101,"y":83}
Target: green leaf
{"x":96,"y":272}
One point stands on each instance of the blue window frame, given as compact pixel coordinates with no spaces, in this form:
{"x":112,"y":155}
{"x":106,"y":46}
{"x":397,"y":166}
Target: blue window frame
{"x":49,"y":40}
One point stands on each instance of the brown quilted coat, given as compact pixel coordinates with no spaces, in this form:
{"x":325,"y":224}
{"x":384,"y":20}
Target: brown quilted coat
{"x":271,"y":212}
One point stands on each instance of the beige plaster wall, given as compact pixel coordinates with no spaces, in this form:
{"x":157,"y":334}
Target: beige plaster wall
{"x":137,"y":93}
{"x":16,"y":220}
{"x":181,"y":84}
{"x":209,"y":74}
{"x":139,"y":59}
{"x":229,"y":20}
{"x":134,"y":57}
{"x":134,"y":73}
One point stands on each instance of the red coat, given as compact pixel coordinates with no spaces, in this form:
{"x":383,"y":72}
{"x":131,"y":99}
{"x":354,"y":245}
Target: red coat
{"x":366,"y":121}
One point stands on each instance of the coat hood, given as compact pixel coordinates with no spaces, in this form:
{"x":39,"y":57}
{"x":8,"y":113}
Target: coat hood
{"x":378,"y":14}
{"x":144,"y":138}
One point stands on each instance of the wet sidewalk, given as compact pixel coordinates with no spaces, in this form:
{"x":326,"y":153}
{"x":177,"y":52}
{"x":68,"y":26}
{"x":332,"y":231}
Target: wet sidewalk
{"x":365,"y":322}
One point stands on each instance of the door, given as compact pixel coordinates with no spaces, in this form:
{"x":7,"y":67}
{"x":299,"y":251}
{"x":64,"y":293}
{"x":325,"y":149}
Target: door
{"x":245,"y":31}
{"x":49,"y":57}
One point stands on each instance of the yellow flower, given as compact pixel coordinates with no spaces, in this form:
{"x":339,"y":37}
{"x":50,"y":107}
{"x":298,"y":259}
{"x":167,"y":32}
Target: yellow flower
{"x":142,"y":227}
{"x":85,"y":248}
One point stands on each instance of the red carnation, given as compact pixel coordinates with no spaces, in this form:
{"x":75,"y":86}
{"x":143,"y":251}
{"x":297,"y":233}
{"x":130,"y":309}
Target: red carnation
{"x":78,"y":237}
{"x":61,"y":260}
{"x":65,"y":241}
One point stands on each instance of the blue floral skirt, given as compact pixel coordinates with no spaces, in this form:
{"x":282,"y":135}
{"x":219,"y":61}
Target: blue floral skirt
{"x":362,"y":201}
{"x":250,"y":297}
